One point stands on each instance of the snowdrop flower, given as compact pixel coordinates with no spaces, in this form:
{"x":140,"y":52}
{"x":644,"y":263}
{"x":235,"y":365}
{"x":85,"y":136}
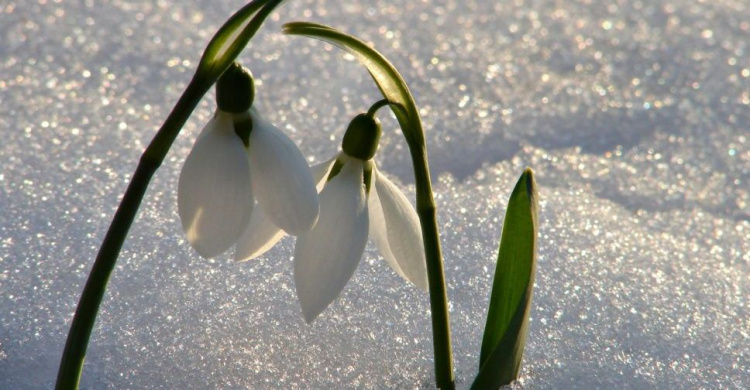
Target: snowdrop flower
{"x":357,"y":201}
{"x":240,"y":158}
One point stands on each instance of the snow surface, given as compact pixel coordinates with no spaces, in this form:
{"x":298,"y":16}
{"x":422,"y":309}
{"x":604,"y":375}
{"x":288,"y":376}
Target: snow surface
{"x":634,"y":115}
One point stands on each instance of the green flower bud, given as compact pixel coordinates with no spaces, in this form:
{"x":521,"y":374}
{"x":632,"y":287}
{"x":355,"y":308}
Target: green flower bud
{"x":362,"y":137}
{"x":235,"y":89}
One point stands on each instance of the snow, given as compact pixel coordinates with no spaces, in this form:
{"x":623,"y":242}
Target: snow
{"x":633,"y":114}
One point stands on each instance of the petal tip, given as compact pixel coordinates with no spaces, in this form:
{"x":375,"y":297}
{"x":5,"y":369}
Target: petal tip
{"x":311,"y":308}
{"x":282,"y":180}
{"x":205,"y":252}
{"x":306,"y":220}
{"x":241,"y":259}
{"x":309,"y":316}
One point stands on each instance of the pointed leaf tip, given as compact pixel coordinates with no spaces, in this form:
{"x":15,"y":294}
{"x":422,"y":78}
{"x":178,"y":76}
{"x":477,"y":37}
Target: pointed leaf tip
{"x":510,"y":301}
{"x":528,"y":178}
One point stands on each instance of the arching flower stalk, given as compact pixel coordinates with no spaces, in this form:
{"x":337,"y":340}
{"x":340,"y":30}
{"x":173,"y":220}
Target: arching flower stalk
{"x":221,"y":51}
{"x":510,"y":303}
{"x":394,"y":89}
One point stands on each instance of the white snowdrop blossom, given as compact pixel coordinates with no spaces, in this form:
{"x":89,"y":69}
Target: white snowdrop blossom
{"x":225,"y":175}
{"x":356,"y":201}
{"x":262,"y":234}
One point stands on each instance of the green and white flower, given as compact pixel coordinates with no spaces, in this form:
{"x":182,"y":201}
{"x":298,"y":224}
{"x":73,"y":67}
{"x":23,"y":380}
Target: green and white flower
{"x":356,"y":201}
{"x":240,"y":158}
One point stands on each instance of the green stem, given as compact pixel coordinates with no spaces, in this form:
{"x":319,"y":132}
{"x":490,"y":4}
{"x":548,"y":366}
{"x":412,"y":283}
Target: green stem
{"x":427,"y":212}
{"x":74,"y":354}
{"x":393,"y":87}
{"x":441,"y":327}
{"x":221,"y":51}
{"x":375,"y":107}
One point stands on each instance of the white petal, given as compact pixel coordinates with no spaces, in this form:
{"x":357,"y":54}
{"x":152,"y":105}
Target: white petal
{"x":325,"y":257}
{"x":281,"y":179}
{"x":379,"y":232}
{"x":219,"y":116}
{"x":214,"y":197}
{"x":320,"y":172}
{"x":261,"y":234}
{"x":395,"y":228}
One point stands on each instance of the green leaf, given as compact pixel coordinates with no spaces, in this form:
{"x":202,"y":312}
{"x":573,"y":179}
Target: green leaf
{"x":232,"y":38}
{"x":389,"y":81}
{"x":510,"y":301}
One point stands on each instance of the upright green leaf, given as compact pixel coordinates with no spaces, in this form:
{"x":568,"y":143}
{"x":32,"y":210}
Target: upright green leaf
{"x":510,"y":301}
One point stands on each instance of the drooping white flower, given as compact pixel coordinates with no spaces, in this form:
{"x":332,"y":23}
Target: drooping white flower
{"x":261,"y":233}
{"x":237,"y":159}
{"x":357,"y":201}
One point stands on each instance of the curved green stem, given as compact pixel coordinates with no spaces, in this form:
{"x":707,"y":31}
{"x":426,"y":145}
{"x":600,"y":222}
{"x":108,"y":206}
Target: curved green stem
{"x":74,"y":354}
{"x":375,"y":107}
{"x":427,"y":213}
{"x":224,"y":47}
{"x":394,"y":89}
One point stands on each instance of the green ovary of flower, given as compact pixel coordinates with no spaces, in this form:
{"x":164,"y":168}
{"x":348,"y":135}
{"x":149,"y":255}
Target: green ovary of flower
{"x":362,"y":137}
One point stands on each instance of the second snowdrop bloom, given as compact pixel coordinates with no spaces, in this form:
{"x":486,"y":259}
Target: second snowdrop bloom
{"x":356,"y":201}
{"x":238,"y":159}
